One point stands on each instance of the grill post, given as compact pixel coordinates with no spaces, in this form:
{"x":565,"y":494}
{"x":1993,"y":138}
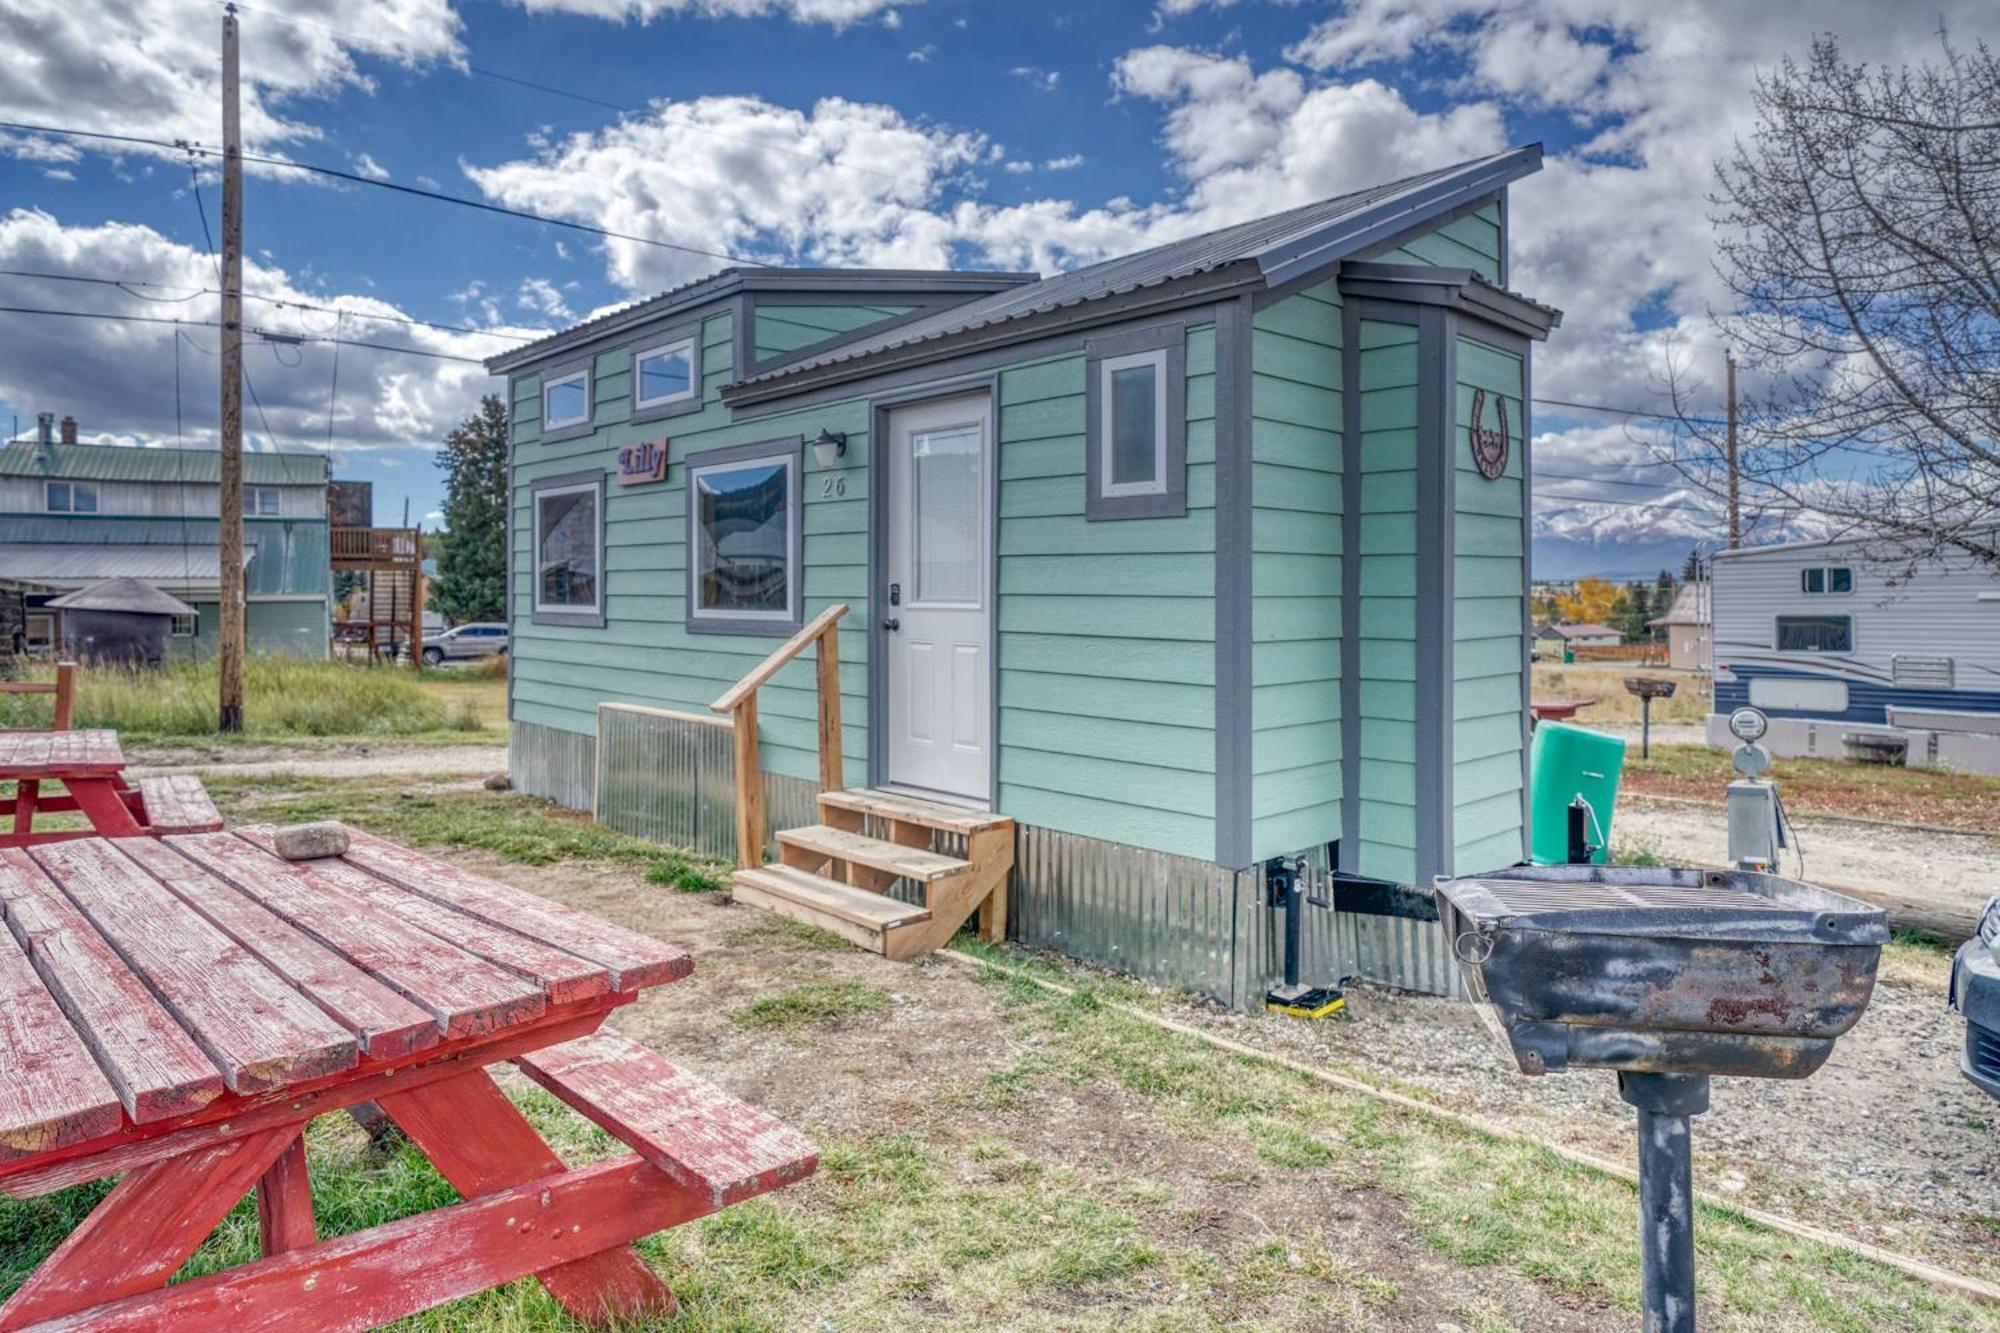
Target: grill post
{"x":1666,"y":1104}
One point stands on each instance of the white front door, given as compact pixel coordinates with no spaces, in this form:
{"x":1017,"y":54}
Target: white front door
{"x":938,"y":613}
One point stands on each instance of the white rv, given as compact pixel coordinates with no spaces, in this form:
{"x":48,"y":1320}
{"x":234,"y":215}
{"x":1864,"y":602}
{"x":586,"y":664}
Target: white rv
{"x":1853,"y":652}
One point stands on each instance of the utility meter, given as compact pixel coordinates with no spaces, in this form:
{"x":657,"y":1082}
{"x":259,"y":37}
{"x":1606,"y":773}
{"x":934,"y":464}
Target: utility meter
{"x":1749,"y":725}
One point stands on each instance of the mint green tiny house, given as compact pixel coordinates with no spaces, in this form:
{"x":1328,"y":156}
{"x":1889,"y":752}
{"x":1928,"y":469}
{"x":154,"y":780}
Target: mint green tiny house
{"x":1185,"y":562}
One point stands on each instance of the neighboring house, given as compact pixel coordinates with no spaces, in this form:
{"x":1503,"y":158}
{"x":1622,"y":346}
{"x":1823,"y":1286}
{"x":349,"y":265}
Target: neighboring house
{"x":75,"y":514}
{"x":1687,"y":623}
{"x":1848,"y":632}
{"x":1580,"y":636}
{"x":1208,"y":555}
{"x":120,"y":622}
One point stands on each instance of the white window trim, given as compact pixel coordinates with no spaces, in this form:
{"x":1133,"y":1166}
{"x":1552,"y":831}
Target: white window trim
{"x":193,"y":630}
{"x":48,"y":491}
{"x":1826,"y":581}
{"x":596,"y":605}
{"x":582,"y":377}
{"x":699,"y":616}
{"x":1157,"y":359}
{"x":256,"y":511}
{"x":684,"y":346}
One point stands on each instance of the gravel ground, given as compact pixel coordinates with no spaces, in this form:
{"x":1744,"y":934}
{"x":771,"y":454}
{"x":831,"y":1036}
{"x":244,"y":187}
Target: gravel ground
{"x":1886,"y":1142}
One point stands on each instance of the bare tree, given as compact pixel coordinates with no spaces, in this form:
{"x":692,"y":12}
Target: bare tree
{"x":1860,"y":238}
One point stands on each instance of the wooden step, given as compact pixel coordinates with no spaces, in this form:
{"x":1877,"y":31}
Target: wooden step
{"x":854,"y":914}
{"x":913,"y":810}
{"x":834,"y":844}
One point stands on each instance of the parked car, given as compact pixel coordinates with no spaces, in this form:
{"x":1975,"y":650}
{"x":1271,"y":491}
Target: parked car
{"x":464,"y":643}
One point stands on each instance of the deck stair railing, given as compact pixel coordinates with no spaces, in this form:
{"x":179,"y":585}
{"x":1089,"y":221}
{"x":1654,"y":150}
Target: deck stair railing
{"x":740,"y":703}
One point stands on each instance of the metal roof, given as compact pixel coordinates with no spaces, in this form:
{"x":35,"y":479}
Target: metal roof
{"x":876,"y":282}
{"x":129,"y":462}
{"x":123,"y":594}
{"x":1283,"y":246}
{"x":77,"y":565}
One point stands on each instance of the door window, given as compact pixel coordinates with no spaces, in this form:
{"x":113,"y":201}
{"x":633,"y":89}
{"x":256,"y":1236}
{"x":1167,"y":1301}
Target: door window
{"x":949,"y":524}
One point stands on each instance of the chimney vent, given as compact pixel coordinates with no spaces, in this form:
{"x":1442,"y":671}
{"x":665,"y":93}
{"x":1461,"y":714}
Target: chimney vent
{"x":69,"y":430}
{"x":45,"y":428}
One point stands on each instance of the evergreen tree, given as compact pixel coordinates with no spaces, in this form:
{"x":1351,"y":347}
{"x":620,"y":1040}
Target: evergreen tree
{"x":1636,"y":608}
{"x":1691,"y":567}
{"x":472,"y":561}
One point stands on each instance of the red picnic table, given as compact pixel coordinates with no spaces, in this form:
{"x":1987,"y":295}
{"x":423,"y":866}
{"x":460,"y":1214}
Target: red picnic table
{"x":1557,"y":710}
{"x":91,"y":767}
{"x":178,"y":1008}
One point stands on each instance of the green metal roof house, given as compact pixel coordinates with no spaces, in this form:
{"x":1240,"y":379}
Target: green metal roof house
{"x":1185,"y":561}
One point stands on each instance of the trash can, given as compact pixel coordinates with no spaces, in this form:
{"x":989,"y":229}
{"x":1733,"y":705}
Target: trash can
{"x":1667,"y":977}
{"x":1569,"y":764}
{"x":1975,"y":993}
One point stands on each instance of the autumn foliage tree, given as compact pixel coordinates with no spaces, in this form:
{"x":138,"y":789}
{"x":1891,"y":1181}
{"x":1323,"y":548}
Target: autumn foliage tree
{"x":1594,"y":602}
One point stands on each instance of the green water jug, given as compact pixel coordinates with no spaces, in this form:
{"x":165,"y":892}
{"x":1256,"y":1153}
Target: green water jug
{"x":1570,"y":762}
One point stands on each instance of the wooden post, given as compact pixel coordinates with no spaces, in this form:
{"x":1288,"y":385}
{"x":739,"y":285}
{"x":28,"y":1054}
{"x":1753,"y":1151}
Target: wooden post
{"x":417,"y":607}
{"x":229,"y":655}
{"x":65,"y":695}
{"x":749,"y":786}
{"x":830,"y":770}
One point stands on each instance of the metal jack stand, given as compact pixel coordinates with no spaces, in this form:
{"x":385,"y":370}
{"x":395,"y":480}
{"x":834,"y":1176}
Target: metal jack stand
{"x":1666,"y":1103}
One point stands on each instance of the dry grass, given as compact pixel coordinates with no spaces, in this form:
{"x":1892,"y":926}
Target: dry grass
{"x":1967,"y":801}
{"x":1605,"y":684}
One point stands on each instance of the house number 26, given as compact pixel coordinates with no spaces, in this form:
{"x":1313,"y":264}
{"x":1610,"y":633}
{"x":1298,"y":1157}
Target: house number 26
{"x":829,"y":487}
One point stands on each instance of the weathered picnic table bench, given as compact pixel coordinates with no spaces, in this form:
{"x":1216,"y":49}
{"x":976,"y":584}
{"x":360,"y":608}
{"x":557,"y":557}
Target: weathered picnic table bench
{"x":91,"y":767}
{"x":178,"y":1008}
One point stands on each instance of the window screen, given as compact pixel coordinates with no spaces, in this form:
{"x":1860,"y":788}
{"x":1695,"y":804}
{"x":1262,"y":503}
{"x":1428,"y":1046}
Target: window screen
{"x":1815,"y":634}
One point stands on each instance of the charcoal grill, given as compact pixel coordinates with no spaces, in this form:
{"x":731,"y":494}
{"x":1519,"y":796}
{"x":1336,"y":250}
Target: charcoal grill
{"x":1667,"y":977}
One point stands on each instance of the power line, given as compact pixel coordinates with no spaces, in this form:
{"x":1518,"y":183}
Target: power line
{"x":127,"y":284}
{"x":273,"y":337}
{"x":195,"y":149}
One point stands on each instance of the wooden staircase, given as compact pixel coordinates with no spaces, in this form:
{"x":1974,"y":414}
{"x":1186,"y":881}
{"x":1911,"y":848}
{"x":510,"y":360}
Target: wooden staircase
{"x":836,"y":874}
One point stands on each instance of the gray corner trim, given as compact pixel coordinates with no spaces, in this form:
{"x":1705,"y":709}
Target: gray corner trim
{"x":1506,"y":261}
{"x":742,"y":337}
{"x":508,"y":537}
{"x":1528,"y":590}
{"x":657,"y":338}
{"x":1433,"y":685}
{"x":790,"y":448}
{"x":1350,"y":588}
{"x":1170,"y":337}
{"x":588,"y":366}
{"x":1233,"y":587}
{"x":578,"y":619}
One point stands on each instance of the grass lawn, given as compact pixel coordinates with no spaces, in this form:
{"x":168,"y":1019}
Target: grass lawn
{"x":997,"y":1156}
{"x":1826,"y":787}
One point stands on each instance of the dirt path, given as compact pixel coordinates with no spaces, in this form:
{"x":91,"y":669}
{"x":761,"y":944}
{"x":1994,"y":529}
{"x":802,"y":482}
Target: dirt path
{"x":1945,"y":877}
{"x":356,"y":761}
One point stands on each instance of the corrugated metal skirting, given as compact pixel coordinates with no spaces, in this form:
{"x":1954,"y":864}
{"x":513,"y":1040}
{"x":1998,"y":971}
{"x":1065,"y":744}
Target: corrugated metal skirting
{"x":1174,"y":920}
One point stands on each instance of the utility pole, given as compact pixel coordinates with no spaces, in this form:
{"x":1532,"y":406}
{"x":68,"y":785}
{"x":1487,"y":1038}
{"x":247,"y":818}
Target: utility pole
{"x":229,"y":658}
{"x":1735,"y":498}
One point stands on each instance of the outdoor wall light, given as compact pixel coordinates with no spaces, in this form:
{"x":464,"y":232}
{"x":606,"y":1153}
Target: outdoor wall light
{"x":828,"y":448}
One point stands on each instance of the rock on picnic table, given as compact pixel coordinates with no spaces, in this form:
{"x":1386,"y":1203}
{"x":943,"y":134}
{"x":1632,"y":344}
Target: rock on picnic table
{"x":310,"y":842}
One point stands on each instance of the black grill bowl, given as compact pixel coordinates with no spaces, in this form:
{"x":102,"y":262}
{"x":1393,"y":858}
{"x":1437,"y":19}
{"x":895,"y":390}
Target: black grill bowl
{"x":1663,"y":970}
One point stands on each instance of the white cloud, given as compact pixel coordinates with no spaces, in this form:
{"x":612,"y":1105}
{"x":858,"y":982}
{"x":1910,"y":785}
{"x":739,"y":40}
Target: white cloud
{"x":118,"y":378}
{"x":922,"y":55}
{"x":544,"y":298}
{"x":366,"y":165}
{"x":1042,"y":80}
{"x":1018,"y":167}
{"x":1068,"y":163}
{"x":59,"y":174}
{"x":834,"y":13}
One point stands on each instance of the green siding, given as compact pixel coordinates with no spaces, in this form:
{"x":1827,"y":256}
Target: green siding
{"x":1472,"y":241}
{"x":1489,"y":577}
{"x":1106,"y":638}
{"x":291,"y":555}
{"x":299,"y":628}
{"x":1387,"y":614}
{"x":781,"y":329}
{"x":1295,"y":573}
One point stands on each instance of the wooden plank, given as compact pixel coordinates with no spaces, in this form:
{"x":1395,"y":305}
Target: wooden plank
{"x":178,"y":803}
{"x":153,"y":1063}
{"x":778,"y":658}
{"x":144,"y":1230}
{"x":284,"y":1202}
{"x":562,"y":975}
{"x":830,"y":896}
{"x":53,"y":754}
{"x":832,"y":775}
{"x":917,"y":863}
{"x":634,"y":960}
{"x":465,"y":994}
{"x":373,"y":1277}
{"x":749,"y":785}
{"x":481,"y":1143}
{"x":136,"y":1145}
{"x":931,"y":814}
{"x":383,"y":1022}
{"x":260,"y":1032}
{"x":51,"y":1090}
{"x":722,"y":1148}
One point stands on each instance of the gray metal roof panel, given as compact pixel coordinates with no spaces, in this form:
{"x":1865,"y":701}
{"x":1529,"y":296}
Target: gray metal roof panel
{"x":123,"y":594}
{"x":74,"y":564}
{"x":124,"y":462}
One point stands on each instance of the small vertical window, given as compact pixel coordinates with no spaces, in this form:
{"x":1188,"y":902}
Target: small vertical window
{"x":1840,"y":579}
{"x":1812,"y":580}
{"x":1137,"y":425}
{"x":666,"y":378}
{"x":566,"y":400}
{"x":71,"y":497}
{"x":260,"y":501}
{"x":569,"y":550}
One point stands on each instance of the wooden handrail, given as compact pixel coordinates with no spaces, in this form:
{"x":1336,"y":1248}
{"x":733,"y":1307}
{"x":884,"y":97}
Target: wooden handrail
{"x":63,"y":687}
{"x":740,"y":701}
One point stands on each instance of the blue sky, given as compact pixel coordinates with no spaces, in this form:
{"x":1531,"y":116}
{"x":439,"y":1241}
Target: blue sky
{"x":843,"y":131}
